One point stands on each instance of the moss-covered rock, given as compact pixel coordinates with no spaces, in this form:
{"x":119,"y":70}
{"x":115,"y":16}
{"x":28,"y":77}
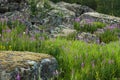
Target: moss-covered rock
{"x":26,"y":66}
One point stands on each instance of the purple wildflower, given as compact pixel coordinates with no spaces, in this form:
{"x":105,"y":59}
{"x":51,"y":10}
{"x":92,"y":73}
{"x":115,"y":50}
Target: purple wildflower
{"x":18,"y":77}
{"x":3,"y":30}
{"x":8,"y":30}
{"x":55,"y":73}
{"x":6,"y":19}
{"x":77,"y":19}
{"x":32,"y":38}
{"x":113,"y":26}
{"x":2,"y":19}
{"x":41,"y":38}
{"x":82,"y":65}
{"x":111,"y":61}
{"x":97,"y":41}
{"x":93,"y":64}
{"x":88,"y":21}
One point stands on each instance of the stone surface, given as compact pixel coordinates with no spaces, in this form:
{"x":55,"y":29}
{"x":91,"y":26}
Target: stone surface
{"x":62,"y":13}
{"x":48,"y":14}
{"x":77,"y":9}
{"x":15,"y":65}
{"x":65,"y":32}
{"x":88,"y":37}
{"x":11,"y":5}
{"x":108,"y":19}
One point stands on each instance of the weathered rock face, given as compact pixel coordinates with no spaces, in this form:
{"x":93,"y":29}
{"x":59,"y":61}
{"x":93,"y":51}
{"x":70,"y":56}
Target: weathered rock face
{"x":11,"y":5}
{"x":75,"y":8}
{"x":100,"y":18}
{"x":63,"y":12}
{"x":50,"y":15}
{"x":26,"y":66}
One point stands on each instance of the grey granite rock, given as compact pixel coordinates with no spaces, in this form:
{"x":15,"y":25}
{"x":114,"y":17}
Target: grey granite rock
{"x":108,"y":19}
{"x":88,"y":37}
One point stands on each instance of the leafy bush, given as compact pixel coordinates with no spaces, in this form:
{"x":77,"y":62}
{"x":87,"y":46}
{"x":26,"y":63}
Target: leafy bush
{"x":109,"y":36}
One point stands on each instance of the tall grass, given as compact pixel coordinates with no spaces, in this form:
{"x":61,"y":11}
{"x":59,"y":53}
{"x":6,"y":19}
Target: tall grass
{"x":77,"y":60}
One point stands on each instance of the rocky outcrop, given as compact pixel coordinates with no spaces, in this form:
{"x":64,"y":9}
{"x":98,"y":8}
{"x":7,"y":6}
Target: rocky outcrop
{"x":95,"y":16}
{"x":11,"y":5}
{"x":62,"y":12}
{"x":75,"y":8}
{"x":50,"y":18}
{"x":15,"y":65}
{"x":48,"y":14}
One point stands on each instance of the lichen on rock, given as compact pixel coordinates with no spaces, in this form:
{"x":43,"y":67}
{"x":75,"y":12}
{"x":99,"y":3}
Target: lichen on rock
{"x":27,"y":65}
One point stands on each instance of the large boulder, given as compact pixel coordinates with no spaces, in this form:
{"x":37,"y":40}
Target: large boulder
{"x":62,"y":12}
{"x":95,"y":16}
{"x":76,"y":8}
{"x":15,"y":65}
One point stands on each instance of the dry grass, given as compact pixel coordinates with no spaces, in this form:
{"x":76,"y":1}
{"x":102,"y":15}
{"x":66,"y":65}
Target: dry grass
{"x":11,"y":59}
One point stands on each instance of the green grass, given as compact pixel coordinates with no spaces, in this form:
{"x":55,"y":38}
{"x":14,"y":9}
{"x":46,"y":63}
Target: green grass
{"x":77,"y":60}
{"x":100,"y":62}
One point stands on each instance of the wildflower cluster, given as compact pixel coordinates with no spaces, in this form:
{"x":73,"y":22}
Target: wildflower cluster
{"x":110,"y":31}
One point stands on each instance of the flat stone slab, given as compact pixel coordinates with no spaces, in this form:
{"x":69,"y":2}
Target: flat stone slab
{"x":26,"y":66}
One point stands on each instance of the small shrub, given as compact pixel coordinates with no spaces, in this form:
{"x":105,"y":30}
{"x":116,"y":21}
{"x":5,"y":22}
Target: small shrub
{"x":88,"y":27}
{"x":77,"y":26}
{"x":99,"y":24}
{"x":108,"y":36}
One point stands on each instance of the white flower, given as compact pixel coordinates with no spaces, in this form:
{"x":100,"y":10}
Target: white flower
{"x":24,"y":33}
